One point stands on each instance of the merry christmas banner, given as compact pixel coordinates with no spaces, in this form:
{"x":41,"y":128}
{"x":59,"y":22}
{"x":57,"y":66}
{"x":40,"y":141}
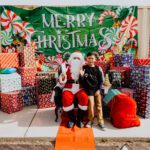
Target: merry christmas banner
{"x":59,"y":31}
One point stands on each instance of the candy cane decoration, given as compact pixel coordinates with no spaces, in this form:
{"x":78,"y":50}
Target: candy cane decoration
{"x":27,"y":31}
{"x":106,"y":13}
{"x":11,"y":22}
{"x":133,"y":40}
{"x":128,"y":29}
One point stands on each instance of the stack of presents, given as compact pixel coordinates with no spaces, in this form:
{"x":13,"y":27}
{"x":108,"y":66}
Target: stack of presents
{"x":132,"y":77}
{"x":20,"y":83}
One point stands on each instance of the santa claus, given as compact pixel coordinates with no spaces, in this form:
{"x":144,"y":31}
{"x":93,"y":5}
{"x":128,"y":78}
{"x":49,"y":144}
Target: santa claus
{"x":69,"y":80}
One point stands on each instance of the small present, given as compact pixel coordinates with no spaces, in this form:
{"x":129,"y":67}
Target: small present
{"x":141,"y":62}
{"x":11,"y":102}
{"x":127,"y":91}
{"x":45,"y":82}
{"x":27,"y":57}
{"x":123,"y":60}
{"x":44,"y":101}
{"x":10,"y":82}
{"x":9,"y":60}
{"x":29,"y":95}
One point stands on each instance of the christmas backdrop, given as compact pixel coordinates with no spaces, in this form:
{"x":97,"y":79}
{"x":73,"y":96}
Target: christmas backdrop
{"x":55,"y":32}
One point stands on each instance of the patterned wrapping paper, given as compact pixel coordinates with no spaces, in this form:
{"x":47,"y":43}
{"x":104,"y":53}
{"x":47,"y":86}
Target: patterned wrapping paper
{"x":127,"y":91}
{"x":123,"y":60}
{"x":28,"y":76}
{"x":44,"y":101}
{"x":29,"y":95}
{"x":126,"y":74}
{"x":27,"y":57}
{"x":9,"y":60}
{"x":117,"y":78}
{"x":141,"y":62}
{"x":139,"y":73}
{"x":45,"y":83}
{"x":11,"y":102}
{"x":10,"y":82}
{"x":142,"y":97}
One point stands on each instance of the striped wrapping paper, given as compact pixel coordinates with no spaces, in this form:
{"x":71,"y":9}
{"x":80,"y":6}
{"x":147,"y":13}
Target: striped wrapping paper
{"x":11,"y":102}
{"x":9,"y":60}
{"x":27,"y":57}
{"x":141,"y":62}
{"x":10,"y":82}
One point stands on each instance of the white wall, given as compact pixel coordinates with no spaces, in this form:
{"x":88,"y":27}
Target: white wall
{"x":75,"y":2}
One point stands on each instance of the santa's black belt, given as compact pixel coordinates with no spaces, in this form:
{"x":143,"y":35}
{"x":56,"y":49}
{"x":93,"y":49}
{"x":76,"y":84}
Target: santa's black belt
{"x":73,"y":81}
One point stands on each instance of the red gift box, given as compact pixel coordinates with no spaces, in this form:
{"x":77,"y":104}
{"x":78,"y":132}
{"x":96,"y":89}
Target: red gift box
{"x":11,"y":102}
{"x":103,"y":65}
{"x":27,"y":57}
{"x":28,"y":76}
{"x":9,"y":60}
{"x":27,"y":71}
{"x":141,"y":62}
{"x":44,"y":101}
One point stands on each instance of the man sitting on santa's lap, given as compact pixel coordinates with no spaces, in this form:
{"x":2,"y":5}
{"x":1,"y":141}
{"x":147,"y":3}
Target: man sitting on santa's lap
{"x":69,"y":79}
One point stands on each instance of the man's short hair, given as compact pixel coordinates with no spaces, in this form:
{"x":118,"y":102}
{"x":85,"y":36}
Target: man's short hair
{"x":91,"y":54}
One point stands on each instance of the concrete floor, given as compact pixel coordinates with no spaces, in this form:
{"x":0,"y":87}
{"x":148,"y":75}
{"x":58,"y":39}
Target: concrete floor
{"x":33,"y":122}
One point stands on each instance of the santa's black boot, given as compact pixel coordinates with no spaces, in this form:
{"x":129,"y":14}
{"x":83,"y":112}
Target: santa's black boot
{"x":80,"y":116}
{"x":71,"y":118}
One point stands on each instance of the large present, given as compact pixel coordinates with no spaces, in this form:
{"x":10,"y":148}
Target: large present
{"x":27,"y":57}
{"x":29,"y":95}
{"x":28,"y":76}
{"x":11,"y":102}
{"x":103,"y":65}
{"x":123,"y":60}
{"x":44,"y":101}
{"x":127,"y":91}
{"x":9,"y":60}
{"x":142,"y":97}
{"x":139,"y":73}
{"x":141,"y":62}
{"x":45,"y":83}
{"x":10,"y":82}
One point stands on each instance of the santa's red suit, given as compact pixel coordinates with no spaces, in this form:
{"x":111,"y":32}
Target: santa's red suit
{"x":69,"y":80}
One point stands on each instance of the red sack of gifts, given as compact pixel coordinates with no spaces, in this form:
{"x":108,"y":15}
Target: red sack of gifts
{"x":123,"y":112}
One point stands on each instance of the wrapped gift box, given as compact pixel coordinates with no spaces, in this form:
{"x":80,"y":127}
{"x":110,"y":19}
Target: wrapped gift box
{"x":141,"y":62}
{"x":27,"y":57}
{"x":45,"y":83}
{"x":139,"y":73}
{"x":10,"y":82}
{"x":11,"y":102}
{"x":142,"y":97}
{"x":9,"y":60}
{"x":28,"y":76}
{"x":44,"y":101}
{"x":103,"y":65}
{"x":29,"y":95}
{"x":123,"y":60}
{"x":127,"y":91}
{"x":117,"y":78}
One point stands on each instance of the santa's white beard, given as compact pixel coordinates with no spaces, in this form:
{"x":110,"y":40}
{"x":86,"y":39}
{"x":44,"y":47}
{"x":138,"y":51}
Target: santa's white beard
{"x":75,"y":68}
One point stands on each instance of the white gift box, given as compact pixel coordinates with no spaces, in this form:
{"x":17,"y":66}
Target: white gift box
{"x":10,"y":82}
